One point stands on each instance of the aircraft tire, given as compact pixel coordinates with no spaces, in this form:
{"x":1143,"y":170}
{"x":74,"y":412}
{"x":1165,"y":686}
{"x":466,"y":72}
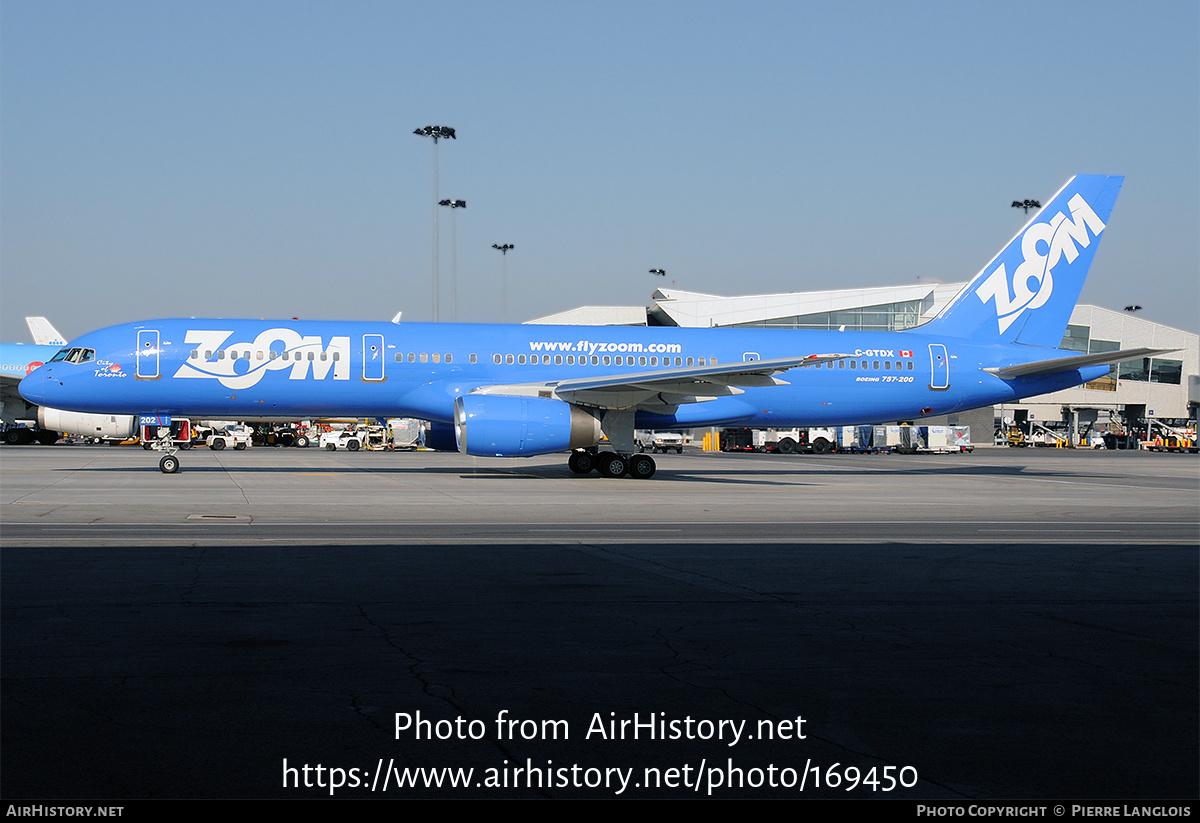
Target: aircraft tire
{"x":641,"y":467}
{"x":613,"y":465}
{"x":302,"y":441}
{"x":12,"y":437}
{"x":581,"y":462}
{"x":169,"y":464}
{"x":218,"y":444}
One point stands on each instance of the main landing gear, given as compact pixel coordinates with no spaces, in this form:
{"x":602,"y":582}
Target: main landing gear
{"x":611,"y":464}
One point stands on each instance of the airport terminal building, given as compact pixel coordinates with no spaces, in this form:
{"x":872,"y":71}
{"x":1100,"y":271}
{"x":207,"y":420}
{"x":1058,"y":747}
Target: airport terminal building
{"x":1163,"y":388}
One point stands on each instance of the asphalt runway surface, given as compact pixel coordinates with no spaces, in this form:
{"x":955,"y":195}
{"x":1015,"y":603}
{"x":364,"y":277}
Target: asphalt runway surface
{"x":1019,"y":624}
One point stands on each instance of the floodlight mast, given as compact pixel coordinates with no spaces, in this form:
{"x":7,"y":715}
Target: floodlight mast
{"x":436,"y":133}
{"x":453,"y":205}
{"x":504,"y":250}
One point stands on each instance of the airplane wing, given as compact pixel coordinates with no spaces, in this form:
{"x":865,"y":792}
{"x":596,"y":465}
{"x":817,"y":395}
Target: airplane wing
{"x":1107,"y":358}
{"x":664,"y":387}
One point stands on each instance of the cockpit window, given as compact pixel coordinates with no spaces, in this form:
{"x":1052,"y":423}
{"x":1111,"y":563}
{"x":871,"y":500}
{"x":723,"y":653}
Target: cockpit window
{"x":75,"y":355}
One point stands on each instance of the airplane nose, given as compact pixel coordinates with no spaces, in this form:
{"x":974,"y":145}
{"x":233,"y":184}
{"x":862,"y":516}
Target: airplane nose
{"x":33,"y":387}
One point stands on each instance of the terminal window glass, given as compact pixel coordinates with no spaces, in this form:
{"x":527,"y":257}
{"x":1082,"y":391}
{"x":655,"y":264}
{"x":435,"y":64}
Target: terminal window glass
{"x":1166,"y":371}
{"x":1135,"y":370}
{"x":1076,"y":338}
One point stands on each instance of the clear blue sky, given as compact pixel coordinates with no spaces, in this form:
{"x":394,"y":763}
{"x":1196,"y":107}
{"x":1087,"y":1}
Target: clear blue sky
{"x":257,"y":158}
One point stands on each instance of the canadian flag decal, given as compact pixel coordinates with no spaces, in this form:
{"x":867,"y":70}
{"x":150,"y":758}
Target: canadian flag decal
{"x":905,"y":353}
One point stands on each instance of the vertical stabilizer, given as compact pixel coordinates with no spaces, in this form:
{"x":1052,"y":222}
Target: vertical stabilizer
{"x":43,"y":333}
{"x":1027,"y":292}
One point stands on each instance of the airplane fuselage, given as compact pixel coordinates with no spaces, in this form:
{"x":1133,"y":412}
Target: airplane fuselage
{"x":244,"y":369}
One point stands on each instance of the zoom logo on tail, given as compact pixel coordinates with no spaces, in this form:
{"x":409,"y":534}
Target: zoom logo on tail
{"x":1027,"y":292}
{"x":1043,"y":245}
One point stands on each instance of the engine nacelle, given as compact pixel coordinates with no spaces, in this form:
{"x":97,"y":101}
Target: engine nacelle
{"x":116,"y":426}
{"x":496,"y":425}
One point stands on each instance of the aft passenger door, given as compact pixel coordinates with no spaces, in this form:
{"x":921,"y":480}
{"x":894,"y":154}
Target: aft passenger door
{"x":939,"y":363}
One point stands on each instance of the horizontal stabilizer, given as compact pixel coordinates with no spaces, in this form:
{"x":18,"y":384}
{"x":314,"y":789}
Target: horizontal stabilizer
{"x":1060,"y":364}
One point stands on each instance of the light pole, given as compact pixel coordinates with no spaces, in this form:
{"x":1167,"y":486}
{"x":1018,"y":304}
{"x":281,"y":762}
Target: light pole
{"x":453,"y":205}
{"x":504,"y":250}
{"x":437,"y":133}
{"x":1026,"y":204}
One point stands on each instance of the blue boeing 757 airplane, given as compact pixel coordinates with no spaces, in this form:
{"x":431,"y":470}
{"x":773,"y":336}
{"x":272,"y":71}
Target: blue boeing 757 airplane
{"x":527,"y":390}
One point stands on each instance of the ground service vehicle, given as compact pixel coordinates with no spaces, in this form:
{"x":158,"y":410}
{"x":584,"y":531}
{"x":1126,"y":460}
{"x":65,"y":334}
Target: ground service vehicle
{"x":235,"y":437}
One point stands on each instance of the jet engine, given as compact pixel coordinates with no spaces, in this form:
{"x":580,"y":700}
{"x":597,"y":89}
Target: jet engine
{"x":114,"y":426}
{"x":493,"y":425}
